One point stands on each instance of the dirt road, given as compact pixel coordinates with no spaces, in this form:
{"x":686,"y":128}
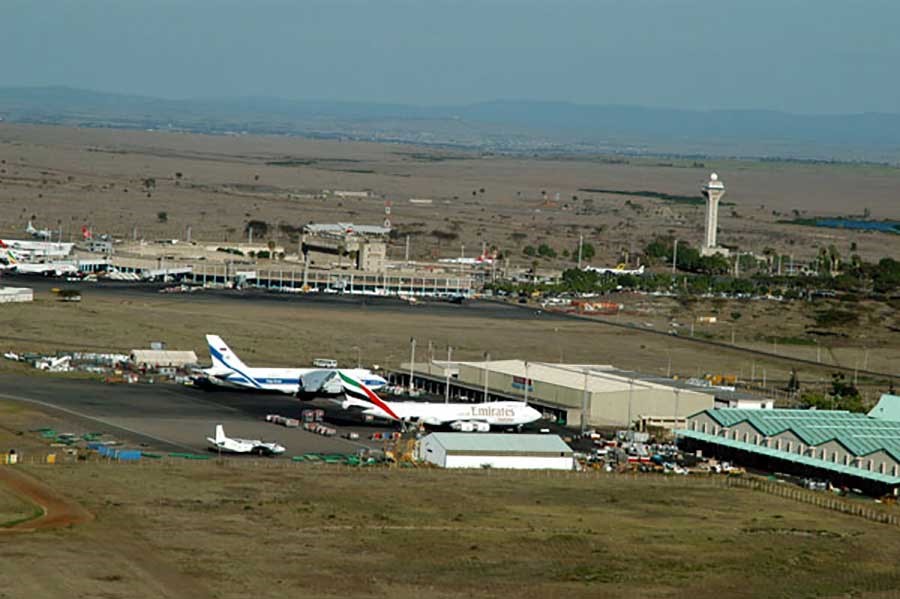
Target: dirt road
{"x":57,"y":511}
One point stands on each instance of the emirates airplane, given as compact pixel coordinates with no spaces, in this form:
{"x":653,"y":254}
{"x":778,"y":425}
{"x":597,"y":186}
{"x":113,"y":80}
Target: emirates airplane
{"x":464,"y":417}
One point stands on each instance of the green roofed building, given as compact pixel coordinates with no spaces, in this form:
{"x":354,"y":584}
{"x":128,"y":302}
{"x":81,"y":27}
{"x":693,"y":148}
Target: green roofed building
{"x":855,"y":450}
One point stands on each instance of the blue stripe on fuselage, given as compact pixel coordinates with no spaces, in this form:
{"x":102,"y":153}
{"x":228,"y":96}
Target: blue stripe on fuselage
{"x":218,"y":356}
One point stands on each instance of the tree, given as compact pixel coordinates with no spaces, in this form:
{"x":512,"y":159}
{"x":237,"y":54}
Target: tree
{"x":587,"y":252}
{"x":260,"y":228}
{"x":545,"y":251}
{"x":162,"y":217}
{"x":529,"y":250}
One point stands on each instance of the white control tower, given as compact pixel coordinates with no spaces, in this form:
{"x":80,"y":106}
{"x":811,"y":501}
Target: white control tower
{"x":713,"y":190}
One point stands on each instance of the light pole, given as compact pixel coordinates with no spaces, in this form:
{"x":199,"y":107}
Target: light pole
{"x":447,"y":382}
{"x":412,"y":362}
{"x":526,"y":382}
{"x":674,"y":256}
{"x":487,"y":361}
{"x":584,"y":404}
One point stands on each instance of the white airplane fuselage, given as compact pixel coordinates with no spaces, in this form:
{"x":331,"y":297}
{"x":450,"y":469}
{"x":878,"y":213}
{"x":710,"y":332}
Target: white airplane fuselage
{"x":280,"y":380}
{"x":495,"y":414}
{"x":228,"y":370}
{"x":226,"y":444}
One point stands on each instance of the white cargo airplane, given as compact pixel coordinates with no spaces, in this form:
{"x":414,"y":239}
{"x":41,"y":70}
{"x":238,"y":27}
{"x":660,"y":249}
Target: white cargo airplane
{"x":38,"y":233}
{"x":465,"y":417}
{"x":228,"y":370}
{"x":618,"y":270}
{"x":233,"y":445}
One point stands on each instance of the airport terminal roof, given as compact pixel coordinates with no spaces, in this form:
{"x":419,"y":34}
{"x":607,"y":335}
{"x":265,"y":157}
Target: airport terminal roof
{"x":501,"y":442}
{"x":344,"y":228}
{"x":861,"y":434}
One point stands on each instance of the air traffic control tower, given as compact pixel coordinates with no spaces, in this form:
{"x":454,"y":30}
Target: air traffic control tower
{"x":713,"y":190}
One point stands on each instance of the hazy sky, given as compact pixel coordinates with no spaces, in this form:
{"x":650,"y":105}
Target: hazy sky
{"x":806,"y":56}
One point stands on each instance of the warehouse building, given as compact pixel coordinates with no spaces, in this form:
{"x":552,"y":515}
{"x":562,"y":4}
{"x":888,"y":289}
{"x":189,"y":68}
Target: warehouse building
{"x":854,"y":450}
{"x":600,"y":394}
{"x":487,"y":450}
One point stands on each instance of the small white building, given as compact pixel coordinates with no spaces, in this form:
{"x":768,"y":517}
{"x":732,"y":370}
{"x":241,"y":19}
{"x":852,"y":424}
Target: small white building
{"x":155,"y":358}
{"x":15,"y":294}
{"x":496,"y":450}
{"x":746,"y":403}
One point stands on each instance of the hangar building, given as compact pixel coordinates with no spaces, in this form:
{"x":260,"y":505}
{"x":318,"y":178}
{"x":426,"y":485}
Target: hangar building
{"x":606,"y":395}
{"x":496,"y":450}
{"x":856,"y":450}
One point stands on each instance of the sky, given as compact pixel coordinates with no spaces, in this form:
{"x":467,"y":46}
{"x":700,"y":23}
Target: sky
{"x":803,"y":56}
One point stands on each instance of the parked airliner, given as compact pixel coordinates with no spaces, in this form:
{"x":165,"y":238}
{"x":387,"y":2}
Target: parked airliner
{"x":228,"y":370}
{"x":466,"y":417}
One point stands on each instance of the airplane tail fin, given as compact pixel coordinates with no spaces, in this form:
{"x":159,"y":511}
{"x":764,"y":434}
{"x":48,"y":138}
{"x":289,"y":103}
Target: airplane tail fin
{"x":222,"y":356}
{"x":220,"y":433}
{"x":357,"y":393}
{"x":8,"y":254}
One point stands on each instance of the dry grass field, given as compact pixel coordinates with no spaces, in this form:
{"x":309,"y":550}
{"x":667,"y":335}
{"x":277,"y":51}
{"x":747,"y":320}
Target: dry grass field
{"x":12,"y":508}
{"x":234,"y":530}
{"x":291,"y":333}
{"x":68,"y":177}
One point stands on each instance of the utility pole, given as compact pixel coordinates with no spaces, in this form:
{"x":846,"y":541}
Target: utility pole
{"x":677,"y":402}
{"x":487,"y":361}
{"x":447,"y":372}
{"x":674,"y":256}
{"x":630,"y":397}
{"x":584,"y":404}
{"x":412,"y":362}
{"x":580,"y":244}
{"x":406,"y":252}
{"x":527,"y":382}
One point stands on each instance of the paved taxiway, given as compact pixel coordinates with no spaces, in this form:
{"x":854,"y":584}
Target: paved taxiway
{"x":176,"y":418}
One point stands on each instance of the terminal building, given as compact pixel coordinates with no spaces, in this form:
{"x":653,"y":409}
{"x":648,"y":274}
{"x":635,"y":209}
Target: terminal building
{"x":854,"y":450}
{"x":345,"y":246}
{"x":573,"y":394}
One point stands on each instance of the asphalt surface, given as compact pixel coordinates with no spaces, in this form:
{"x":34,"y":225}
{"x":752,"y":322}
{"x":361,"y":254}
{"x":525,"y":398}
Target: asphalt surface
{"x":176,"y":418}
{"x":470,"y":308}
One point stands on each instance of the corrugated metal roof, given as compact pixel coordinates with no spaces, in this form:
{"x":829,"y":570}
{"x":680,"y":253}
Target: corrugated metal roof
{"x":887,"y":408}
{"x":600,"y":378}
{"x":162,"y":356}
{"x":791,"y":457}
{"x":501,"y":442}
{"x":859,"y":433}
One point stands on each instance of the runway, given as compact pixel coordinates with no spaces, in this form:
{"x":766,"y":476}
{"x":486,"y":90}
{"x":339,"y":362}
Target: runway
{"x":470,"y":308}
{"x":174,"y":418}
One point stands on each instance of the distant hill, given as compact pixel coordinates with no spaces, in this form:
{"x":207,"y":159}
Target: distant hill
{"x":508,"y":126}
